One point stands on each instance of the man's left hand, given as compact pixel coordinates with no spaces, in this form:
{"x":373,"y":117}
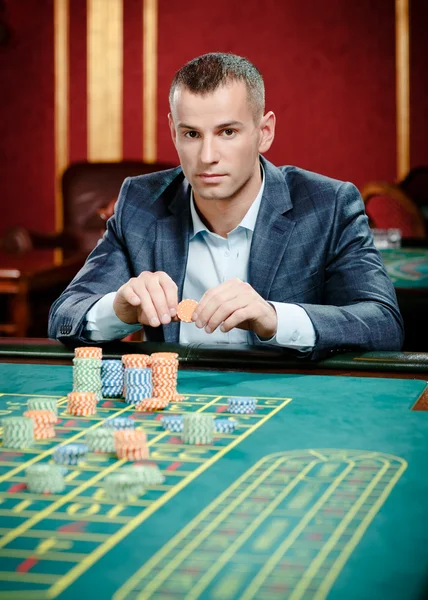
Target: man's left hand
{"x":235,"y":303}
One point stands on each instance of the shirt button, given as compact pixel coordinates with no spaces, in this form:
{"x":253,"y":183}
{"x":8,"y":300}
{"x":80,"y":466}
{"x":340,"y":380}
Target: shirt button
{"x":295,"y":336}
{"x":227,"y":254}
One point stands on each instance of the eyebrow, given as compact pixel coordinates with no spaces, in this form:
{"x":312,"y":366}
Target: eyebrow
{"x":221,"y":126}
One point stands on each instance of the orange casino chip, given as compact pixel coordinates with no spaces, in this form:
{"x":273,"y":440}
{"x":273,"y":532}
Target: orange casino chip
{"x":44,"y":433}
{"x":41,"y":417}
{"x":185,"y":310}
{"x":88,"y":352}
{"x":136,"y":361}
{"x":133,"y":453}
{"x":152,"y":404}
{"x":82,"y":404}
{"x":171,"y":355}
{"x":131,"y":437}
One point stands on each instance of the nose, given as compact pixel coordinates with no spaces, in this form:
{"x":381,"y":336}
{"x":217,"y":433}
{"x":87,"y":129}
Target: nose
{"x":209,"y":152}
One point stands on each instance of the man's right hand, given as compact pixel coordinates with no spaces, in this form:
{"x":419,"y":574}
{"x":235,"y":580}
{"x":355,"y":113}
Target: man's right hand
{"x":149,"y":299}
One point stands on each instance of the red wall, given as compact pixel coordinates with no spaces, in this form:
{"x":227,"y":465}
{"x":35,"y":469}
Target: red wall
{"x":329,"y":69}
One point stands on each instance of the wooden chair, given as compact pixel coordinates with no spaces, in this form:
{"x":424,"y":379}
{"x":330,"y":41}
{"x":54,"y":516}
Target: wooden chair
{"x":388,"y":206}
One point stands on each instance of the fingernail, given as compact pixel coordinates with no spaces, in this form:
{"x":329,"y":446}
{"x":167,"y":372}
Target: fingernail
{"x":194,"y":316}
{"x":172,"y":312}
{"x":208,"y":329}
{"x":199,"y":324}
{"x":223,"y":329}
{"x":166,"y":319}
{"x":154,"y":322}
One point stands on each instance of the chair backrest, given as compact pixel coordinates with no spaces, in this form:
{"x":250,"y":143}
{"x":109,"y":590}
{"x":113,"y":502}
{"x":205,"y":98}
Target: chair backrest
{"x":387,"y":206}
{"x":89,"y":187}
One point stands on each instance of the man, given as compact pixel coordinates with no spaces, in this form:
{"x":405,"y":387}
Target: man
{"x":273,"y":255}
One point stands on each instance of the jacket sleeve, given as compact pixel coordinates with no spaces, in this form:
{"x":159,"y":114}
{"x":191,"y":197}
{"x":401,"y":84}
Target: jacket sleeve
{"x":105,"y":270}
{"x":359,"y":310}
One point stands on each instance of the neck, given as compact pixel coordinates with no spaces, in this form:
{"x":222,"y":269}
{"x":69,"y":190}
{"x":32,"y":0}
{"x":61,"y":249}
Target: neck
{"x":222,"y":216}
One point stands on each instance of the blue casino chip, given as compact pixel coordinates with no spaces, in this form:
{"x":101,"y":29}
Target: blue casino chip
{"x":173,"y":423}
{"x":70,"y":454}
{"x":242,"y":405}
{"x":120,"y":423}
{"x":225,"y":425}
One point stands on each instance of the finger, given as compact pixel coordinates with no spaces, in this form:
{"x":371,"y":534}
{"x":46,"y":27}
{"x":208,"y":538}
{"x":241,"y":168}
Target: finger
{"x":171,"y":293}
{"x":158,"y":299}
{"x":224,"y":311}
{"x":224,"y":287}
{"x":127,"y":293}
{"x":214,"y":302}
{"x":239,"y":319}
{"x":148,"y":315}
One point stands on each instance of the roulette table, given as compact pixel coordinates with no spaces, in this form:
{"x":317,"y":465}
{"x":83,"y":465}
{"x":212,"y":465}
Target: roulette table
{"x":320,"y":493}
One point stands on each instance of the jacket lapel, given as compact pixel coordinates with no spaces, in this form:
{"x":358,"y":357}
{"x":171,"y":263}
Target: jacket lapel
{"x":172,"y":247}
{"x":272,"y":232}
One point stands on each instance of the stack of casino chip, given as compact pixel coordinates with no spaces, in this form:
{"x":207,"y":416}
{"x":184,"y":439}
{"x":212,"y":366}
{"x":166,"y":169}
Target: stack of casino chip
{"x":82,"y":404}
{"x":131,"y":444}
{"x":43,"y":404}
{"x":119,"y":423}
{"x":175,"y":423}
{"x":225,"y":425}
{"x":172,"y":423}
{"x":136,"y":361}
{"x":147,"y":475}
{"x":152,"y":404}
{"x":88,"y":352}
{"x":44,"y":421}
{"x":101,"y":440}
{"x":112,"y":376}
{"x":197,"y":428}
{"x":87,"y":375}
{"x":70,"y":454}
{"x":45,"y":478}
{"x":122,"y":487}
{"x":242,"y":405}
{"x":138,"y":384}
{"x":165,"y":368}
{"x":18,"y":432}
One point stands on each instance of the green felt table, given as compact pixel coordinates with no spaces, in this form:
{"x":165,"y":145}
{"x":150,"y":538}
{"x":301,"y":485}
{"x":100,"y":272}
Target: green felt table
{"x":321,"y":493}
{"x":407,"y":267}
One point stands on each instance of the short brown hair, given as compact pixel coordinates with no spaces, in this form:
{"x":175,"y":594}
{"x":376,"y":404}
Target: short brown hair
{"x":204,"y":74}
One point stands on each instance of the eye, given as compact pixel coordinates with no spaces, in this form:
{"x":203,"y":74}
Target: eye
{"x":228,"y":132}
{"x":191,"y":134}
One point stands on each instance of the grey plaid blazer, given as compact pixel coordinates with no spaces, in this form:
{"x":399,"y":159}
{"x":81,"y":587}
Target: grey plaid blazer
{"x":311,"y":246}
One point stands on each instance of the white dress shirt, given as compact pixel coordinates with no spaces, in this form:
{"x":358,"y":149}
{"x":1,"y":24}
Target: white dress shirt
{"x":212,"y":260}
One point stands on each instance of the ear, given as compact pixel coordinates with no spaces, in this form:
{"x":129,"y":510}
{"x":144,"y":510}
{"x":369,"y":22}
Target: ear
{"x":172,"y":128}
{"x":267,"y":131}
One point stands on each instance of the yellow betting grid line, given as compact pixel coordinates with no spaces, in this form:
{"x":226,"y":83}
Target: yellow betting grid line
{"x":331,"y":543}
{"x":72,"y":535}
{"x":332,"y":575}
{"x":241,"y":539}
{"x":92,"y":558}
{"x":219,"y":563}
{"x":132,"y":581}
{"x":73,"y":493}
{"x":335,"y":569}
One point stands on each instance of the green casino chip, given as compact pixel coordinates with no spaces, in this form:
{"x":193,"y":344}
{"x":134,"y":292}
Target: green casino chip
{"x":43,"y":404}
{"x":18,"y":432}
{"x":45,"y":478}
{"x":198,"y":429}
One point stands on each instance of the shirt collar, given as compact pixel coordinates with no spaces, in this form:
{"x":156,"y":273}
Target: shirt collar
{"x":248,"y":221}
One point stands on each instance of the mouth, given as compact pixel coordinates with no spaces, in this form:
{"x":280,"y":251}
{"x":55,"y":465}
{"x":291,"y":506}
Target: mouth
{"x":211,"y":177}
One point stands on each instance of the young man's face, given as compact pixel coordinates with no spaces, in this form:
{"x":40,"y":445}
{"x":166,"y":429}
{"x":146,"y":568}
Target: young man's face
{"x":217,"y":140}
